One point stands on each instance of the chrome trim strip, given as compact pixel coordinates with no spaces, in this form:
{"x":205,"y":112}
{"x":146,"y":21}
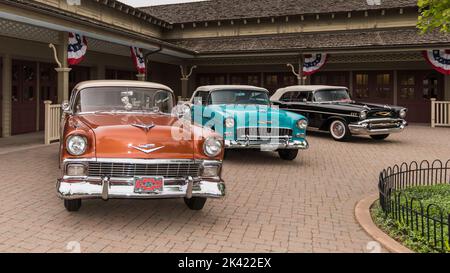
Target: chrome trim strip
{"x":319,"y":112}
{"x":139,"y":161}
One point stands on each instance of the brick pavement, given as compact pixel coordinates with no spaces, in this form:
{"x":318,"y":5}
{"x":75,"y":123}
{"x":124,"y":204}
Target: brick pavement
{"x":272,"y":205}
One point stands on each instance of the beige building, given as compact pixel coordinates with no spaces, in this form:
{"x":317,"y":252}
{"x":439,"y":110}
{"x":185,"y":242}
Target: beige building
{"x":374,"y":50}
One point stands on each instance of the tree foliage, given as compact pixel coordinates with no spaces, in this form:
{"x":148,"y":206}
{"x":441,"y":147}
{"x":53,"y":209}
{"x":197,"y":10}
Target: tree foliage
{"x":434,"y":14}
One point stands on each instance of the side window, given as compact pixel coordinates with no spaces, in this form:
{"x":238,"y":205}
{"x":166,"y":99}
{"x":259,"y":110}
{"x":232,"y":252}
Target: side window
{"x":201,"y":98}
{"x":301,"y":96}
{"x":286,"y":97}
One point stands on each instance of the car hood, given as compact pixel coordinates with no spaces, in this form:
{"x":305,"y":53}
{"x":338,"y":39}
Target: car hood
{"x":256,"y":115}
{"x":119,"y":136}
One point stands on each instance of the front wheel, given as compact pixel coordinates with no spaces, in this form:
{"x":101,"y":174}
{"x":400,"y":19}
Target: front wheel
{"x":72,"y":205}
{"x":195,"y":203}
{"x":339,"y":130}
{"x":379,"y":137}
{"x":288,"y":154}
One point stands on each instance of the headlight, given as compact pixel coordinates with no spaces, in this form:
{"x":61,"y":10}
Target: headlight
{"x":212,"y":147}
{"x":302,"y":124}
{"x":76,"y":145}
{"x":403,"y":113}
{"x":363,"y":115}
{"x":229,"y":122}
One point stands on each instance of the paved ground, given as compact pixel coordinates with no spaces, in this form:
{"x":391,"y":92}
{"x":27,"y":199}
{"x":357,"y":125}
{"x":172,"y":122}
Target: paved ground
{"x":303,"y":206}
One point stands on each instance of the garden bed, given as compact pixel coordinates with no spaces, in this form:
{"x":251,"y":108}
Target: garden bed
{"x":418,"y":217}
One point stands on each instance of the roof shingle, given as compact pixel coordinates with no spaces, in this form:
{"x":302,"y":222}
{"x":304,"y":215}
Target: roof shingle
{"x":315,"y":41}
{"x":238,"y":9}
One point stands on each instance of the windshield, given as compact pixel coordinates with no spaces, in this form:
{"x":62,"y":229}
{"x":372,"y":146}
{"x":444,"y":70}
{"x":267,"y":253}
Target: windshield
{"x":239,"y":97}
{"x":123,"y":99}
{"x":340,"y":95}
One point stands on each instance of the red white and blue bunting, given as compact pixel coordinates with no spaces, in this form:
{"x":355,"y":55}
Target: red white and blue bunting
{"x":313,"y":63}
{"x":439,"y":59}
{"x":77,"y":48}
{"x":138,"y":59}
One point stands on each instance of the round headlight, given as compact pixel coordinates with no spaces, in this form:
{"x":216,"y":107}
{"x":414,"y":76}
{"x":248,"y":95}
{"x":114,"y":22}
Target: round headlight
{"x":403,"y":113}
{"x":363,"y":115}
{"x":229,"y":122}
{"x":212,"y":147}
{"x":76,"y":145}
{"x":302,"y":124}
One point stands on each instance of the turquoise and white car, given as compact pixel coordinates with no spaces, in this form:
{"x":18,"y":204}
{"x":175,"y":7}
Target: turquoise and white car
{"x":246,"y":119}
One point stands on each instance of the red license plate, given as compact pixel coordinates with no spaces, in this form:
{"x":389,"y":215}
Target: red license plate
{"x":148,"y":184}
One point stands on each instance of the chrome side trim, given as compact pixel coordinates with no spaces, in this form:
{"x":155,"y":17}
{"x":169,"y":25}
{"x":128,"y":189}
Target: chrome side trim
{"x":319,"y":112}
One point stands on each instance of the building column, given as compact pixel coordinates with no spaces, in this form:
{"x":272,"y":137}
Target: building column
{"x":184,"y":87}
{"x":38,"y":96}
{"x":395,"y":87}
{"x":447,"y":87}
{"x":7,"y":92}
{"x":101,"y":72}
{"x":141,"y":77}
{"x":63,"y":72}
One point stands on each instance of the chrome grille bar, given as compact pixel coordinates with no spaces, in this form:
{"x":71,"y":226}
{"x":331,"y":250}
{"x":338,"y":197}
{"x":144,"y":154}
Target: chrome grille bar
{"x":124,"y":170}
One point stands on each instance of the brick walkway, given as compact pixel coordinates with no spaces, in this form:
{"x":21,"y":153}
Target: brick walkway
{"x":302,"y":206}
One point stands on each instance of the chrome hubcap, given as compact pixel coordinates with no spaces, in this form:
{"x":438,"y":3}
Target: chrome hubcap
{"x":338,"y":129}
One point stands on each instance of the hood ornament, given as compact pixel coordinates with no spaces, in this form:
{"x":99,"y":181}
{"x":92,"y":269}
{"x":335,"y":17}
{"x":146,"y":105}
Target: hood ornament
{"x":146,"y":148}
{"x":145,"y":127}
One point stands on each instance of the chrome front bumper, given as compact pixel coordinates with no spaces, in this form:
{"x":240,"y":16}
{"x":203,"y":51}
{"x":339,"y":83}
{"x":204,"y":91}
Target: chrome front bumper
{"x":105,"y":188}
{"x":378,"y":126}
{"x":267,"y":145}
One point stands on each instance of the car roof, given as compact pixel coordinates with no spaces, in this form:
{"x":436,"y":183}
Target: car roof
{"x":122,"y":83}
{"x":280,"y":92}
{"x":209,"y":88}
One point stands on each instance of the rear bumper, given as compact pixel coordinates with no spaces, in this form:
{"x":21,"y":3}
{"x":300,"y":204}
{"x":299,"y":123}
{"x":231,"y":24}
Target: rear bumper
{"x":378,"y":126}
{"x":105,"y":188}
{"x":267,"y":145}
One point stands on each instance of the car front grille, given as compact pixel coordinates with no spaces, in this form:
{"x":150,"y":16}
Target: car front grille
{"x":384,"y":124}
{"x":382,"y":114}
{"x":127,"y":170}
{"x":263,"y":132}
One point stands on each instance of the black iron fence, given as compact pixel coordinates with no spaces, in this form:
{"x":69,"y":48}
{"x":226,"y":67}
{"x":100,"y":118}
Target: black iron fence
{"x":428,"y":220}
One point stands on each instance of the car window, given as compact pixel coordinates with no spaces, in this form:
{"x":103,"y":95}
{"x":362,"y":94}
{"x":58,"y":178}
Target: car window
{"x":286,"y":96}
{"x":201,"y":98}
{"x":123,"y":99}
{"x":332,"y":95}
{"x":239,"y":97}
{"x":302,"y":96}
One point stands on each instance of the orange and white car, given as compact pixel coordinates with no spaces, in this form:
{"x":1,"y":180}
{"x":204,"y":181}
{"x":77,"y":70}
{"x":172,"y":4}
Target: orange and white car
{"x":121,"y":140}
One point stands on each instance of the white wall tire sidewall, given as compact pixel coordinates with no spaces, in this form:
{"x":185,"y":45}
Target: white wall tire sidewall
{"x":334,"y":123}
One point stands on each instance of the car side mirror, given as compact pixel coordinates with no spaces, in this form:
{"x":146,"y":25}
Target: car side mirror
{"x":65,"y":107}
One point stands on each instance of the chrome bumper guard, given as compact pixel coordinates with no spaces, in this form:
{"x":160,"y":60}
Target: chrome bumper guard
{"x":70,"y":187}
{"x":274,"y":143}
{"x":378,"y":126}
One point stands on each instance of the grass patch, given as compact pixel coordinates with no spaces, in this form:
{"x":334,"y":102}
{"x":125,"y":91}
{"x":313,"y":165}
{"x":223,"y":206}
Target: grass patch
{"x":411,"y":235}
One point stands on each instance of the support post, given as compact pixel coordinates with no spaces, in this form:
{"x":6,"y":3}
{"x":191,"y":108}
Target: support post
{"x":7,"y":92}
{"x":63,"y":67}
{"x":185,"y":80}
{"x":63,"y":84}
{"x":447,"y":87}
{"x":433,"y":113}
{"x":141,"y":77}
{"x":395,"y":87}
{"x":47,"y":104}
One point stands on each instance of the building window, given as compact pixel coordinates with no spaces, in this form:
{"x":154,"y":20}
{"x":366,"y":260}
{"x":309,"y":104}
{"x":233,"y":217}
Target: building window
{"x":319,"y":79}
{"x":362,"y":86}
{"x":431,"y":87}
{"x":253,"y":80}
{"x":407,"y":86}
{"x":384,"y":86}
{"x":289,"y":80}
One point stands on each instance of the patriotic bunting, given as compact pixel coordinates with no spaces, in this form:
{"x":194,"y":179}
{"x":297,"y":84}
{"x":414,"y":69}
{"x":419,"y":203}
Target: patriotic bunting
{"x":138,"y":59}
{"x":439,"y":59}
{"x":77,"y":48}
{"x":313,"y":63}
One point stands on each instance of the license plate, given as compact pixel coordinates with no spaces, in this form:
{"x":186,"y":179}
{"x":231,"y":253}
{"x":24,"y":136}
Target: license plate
{"x":148,"y":184}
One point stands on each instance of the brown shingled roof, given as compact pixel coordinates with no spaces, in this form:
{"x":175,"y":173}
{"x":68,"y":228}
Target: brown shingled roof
{"x":315,"y":41}
{"x":238,"y":9}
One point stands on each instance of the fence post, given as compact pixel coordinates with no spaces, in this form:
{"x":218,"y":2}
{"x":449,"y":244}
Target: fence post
{"x":47,"y":126}
{"x":433,"y":113}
